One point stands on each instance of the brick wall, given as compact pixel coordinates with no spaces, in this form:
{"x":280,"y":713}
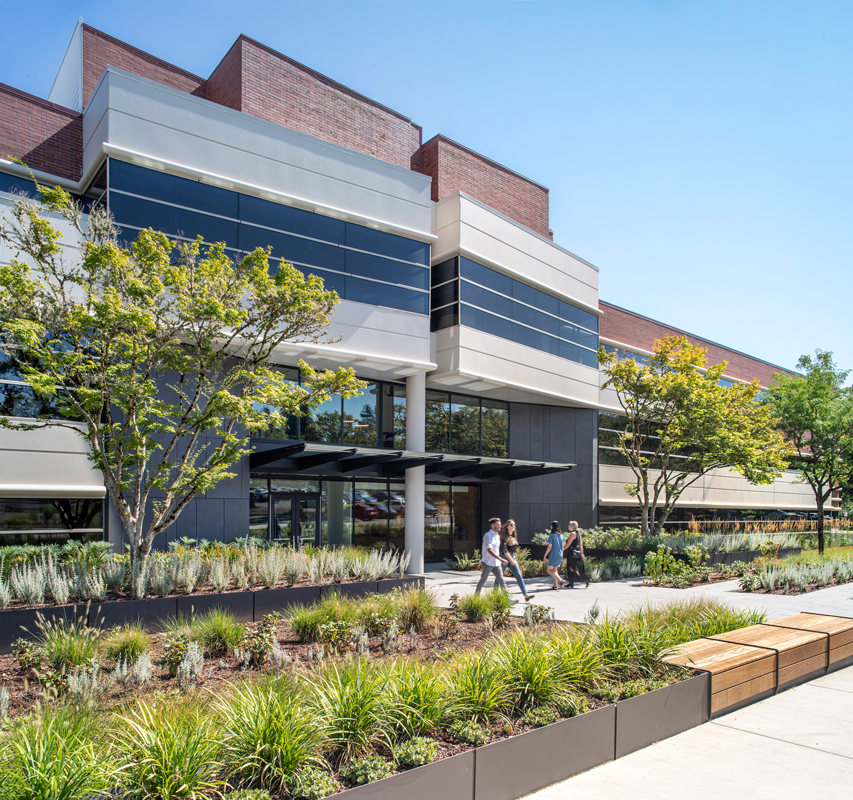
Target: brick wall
{"x":453,"y":167}
{"x":283,"y":91}
{"x":629,"y":328}
{"x":45,"y":136}
{"x":225,"y":84}
{"x":101,"y":51}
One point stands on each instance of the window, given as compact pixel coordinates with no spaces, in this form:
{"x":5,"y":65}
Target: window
{"x":35,"y":519}
{"x":466,"y":425}
{"x":489,"y":301}
{"x":385,"y":269}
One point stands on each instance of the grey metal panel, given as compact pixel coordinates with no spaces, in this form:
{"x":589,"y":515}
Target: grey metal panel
{"x":185,"y":524}
{"x":537,"y":434}
{"x":530,"y":490}
{"x":209,"y":518}
{"x":519,"y":427}
{"x":522,"y":764}
{"x":540,"y":517}
{"x":649,"y":718}
{"x":451,"y":778}
{"x":235,"y":519}
{"x":520,"y":512}
{"x":553,"y":487}
{"x":561,"y":432}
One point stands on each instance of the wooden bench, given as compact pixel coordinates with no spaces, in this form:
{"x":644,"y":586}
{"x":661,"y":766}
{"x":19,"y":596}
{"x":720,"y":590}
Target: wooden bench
{"x":740,"y":674}
{"x":839,"y":630}
{"x":800,"y":654}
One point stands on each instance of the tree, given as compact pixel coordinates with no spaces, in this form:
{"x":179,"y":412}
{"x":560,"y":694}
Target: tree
{"x":815,"y":414}
{"x":162,"y":353}
{"x":681,"y":424}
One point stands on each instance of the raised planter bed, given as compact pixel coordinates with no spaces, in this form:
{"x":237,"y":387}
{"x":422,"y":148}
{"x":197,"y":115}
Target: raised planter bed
{"x":449,"y":778}
{"x":155,"y":612}
{"x":651,"y":717}
{"x":240,"y":604}
{"x":713,"y":558}
{"x":522,"y":764}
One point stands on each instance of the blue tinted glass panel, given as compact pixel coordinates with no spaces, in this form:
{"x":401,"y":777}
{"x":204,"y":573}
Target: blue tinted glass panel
{"x":573,"y":352}
{"x":449,"y":293}
{"x":530,"y":316}
{"x":445,"y":271}
{"x":12,"y":183}
{"x":386,"y":244}
{"x":445,"y":317}
{"x":318,"y":254}
{"x":381,"y":269}
{"x":263,"y":212}
{"x":488,"y":323}
{"x":535,"y":339}
{"x":578,"y":315}
{"x":252,"y":237}
{"x":332,"y":281}
{"x":306,"y":223}
{"x":172,"y":189}
{"x":534,"y":297}
{"x":171,"y":220}
{"x":380,"y":294}
{"x":487,"y":277}
{"x":580,"y":335}
{"x":486,"y":300}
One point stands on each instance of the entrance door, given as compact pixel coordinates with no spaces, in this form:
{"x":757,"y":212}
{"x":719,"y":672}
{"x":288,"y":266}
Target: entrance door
{"x":295,"y":518}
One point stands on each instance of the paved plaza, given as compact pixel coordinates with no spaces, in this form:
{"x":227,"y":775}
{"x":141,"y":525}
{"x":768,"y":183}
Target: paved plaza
{"x":798,"y":743}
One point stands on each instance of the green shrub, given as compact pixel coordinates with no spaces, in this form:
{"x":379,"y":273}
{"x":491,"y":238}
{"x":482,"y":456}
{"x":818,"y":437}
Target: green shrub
{"x":474,"y":607}
{"x":168,"y":751}
{"x":469,"y":732}
{"x":217,"y":631}
{"x":480,"y":686}
{"x":175,"y":646}
{"x":568,"y":704}
{"x":258,"y":644}
{"x":305,"y":620}
{"x":268,"y":733}
{"x":418,"y":609}
{"x":368,"y":769}
{"x":529,"y":669}
{"x":312,"y":783}
{"x":351,"y":700}
{"x":415,"y":752}
{"x":55,"y":754}
{"x":248,"y":794}
{"x":539,"y":717}
{"x":126,"y":643}
{"x":419,"y":695}
{"x":611,"y":692}
{"x":67,"y":644}
{"x":337,"y":636}
{"x":577,"y":659}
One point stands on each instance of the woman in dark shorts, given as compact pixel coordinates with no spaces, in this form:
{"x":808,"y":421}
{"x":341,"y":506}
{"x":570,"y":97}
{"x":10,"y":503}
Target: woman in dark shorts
{"x":575,"y":556}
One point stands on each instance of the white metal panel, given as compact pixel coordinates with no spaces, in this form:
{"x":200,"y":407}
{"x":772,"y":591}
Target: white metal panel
{"x":67,"y":89}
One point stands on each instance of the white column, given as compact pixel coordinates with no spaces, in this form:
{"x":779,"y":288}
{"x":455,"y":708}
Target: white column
{"x":415,"y":440}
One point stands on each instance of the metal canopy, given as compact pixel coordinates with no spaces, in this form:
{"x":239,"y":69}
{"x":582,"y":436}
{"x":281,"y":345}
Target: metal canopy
{"x":342,"y":460}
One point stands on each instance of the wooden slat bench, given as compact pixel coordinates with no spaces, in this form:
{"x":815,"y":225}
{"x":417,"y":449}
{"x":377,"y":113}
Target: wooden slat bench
{"x":740,"y":674}
{"x":801,"y":654}
{"x":839,"y":630}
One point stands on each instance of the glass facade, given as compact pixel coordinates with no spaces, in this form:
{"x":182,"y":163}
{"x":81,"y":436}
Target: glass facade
{"x":630,"y":515}
{"x":35,"y":519}
{"x":466,"y":425}
{"x":359,"y":263}
{"x":467,"y":293}
{"x":365,"y":513}
{"x":376,"y":418}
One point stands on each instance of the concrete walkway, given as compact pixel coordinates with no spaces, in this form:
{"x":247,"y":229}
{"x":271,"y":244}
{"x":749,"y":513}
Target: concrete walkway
{"x":796,"y":744}
{"x":615,"y":596}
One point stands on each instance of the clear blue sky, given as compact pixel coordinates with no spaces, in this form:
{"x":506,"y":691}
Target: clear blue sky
{"x":699,"y":153}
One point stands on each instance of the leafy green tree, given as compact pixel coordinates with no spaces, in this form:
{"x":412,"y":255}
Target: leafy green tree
{"x":162,"y":353}
{"x":815,"y":414}
{"x":680,"y":424}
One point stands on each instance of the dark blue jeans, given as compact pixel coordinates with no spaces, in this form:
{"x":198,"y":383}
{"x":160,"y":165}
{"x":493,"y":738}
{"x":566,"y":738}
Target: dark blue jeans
{"x":516,"y":573}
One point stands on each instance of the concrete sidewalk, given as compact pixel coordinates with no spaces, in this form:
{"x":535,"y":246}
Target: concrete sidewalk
{"x":798,"y":743}
{"x":614,"y":596}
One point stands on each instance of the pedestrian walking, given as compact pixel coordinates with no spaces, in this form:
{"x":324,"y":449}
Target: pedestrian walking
{"x":554,"y":555}
{"x":491,"y":562}
{"x":509,"y":544}
{"x":575,"y":556}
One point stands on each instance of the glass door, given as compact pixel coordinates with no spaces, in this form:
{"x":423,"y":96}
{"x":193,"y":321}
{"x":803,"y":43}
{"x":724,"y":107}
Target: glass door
{"x":295,"y":518}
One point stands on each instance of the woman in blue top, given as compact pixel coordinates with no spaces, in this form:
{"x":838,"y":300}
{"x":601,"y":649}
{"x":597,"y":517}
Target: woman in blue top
{"x":554,"y":555}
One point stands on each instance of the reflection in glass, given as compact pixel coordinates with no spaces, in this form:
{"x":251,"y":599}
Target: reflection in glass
{"x":370,"y":514}
{"x":359,"y":420}
{"x":437,"y":432}
{"x":495,"y":429}
{"x":323,"y":424}
{"x":397,"y":516}
{"x":259,"y":507}
{"x":466,"y":536}
{"x":290,"y":429}
{"x":465,"y":425}
{"x":336,"y":513}
{"x":437,"y":521}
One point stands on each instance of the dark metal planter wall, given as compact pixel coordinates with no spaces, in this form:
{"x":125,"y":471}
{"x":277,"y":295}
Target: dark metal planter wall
{"x":155,"y":612}
{"x":531,"y":761}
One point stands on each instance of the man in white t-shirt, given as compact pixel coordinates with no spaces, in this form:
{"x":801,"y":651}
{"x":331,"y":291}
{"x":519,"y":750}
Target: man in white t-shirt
{"x":492,"y":563}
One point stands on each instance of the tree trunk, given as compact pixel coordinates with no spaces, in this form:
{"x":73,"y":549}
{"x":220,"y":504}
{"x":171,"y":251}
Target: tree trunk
{"x":820,"y":525}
